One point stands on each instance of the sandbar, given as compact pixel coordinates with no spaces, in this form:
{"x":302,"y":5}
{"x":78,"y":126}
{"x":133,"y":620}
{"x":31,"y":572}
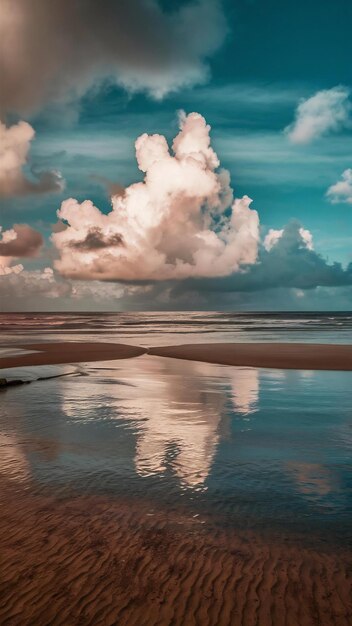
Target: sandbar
{"x":275,"y":355}
{"x":269,"y":355}
{"x":56,"y":353}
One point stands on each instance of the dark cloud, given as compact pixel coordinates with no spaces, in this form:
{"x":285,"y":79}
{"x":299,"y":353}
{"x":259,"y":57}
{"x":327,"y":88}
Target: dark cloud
{"x":51,"y":50}
{"x":96,"y":240}
{"x":288,"y":264}
{"x":21,"y":241}
{"x":42,"y":182}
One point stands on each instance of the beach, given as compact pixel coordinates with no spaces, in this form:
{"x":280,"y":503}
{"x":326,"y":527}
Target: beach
{"x":276,"y":355}
{"x":155,"y":478}
{"x":92,"y":560}
{"x":68,"y":352}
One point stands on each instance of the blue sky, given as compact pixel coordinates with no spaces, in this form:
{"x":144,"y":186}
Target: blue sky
{"x":274,"y":56}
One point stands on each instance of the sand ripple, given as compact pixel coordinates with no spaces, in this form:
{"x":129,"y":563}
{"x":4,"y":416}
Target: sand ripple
{"x":87,"y":560}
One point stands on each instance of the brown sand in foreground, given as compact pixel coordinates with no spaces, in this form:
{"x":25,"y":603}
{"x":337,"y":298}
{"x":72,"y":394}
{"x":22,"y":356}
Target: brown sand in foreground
{"x":70,"y":352}
{"x":92,"y":561}
{"x":280,"y":355}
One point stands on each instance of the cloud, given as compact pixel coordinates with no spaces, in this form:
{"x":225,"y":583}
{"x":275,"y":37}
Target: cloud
{"x":342,"y":190}
{"x":95,"y":239}
{"x":325,"y":112}
{"x":55,"y":50}
{"x":18,"y":283}
{"x":287,"y":276}
{"x":14,"y":148}
{"x":293,"y":232}
{"x":20,"y":241}
{"x":272,"y":238}
{"x":181,"y":221}
{"x":6,"y":269}
{"x":292,"y":262}
{"x":44,"y":288}
{"x":286,"y":260}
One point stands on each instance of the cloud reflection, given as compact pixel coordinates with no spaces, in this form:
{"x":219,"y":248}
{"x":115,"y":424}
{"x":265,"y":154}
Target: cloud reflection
{"x":245,"y":389}
{"x":312,"y":479}
{"x":174,"y":408}
{"x":13,"y":462}
{"x":172,"y":413}
{"x":181,"y":431}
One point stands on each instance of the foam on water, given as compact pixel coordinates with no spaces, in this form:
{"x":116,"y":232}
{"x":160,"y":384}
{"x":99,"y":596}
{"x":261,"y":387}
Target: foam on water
{"x":35,"y":372}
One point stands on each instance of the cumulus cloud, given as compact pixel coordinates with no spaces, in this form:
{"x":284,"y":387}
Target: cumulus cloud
{"x":342,"y":190}
{"x":301,"y":236}
{"x":14,"y":148}
{"x":325,"y":112}
{"x":286,"y":260}
{"x":52,"y":50}
{"x":285,"y":273}
{"x":44,"y":288}
{"x":20,"y":241}
{"x":272,"y":238}
{"x":6,"y":269}
{"x":181,"y":221}
{"x":18,"y":283}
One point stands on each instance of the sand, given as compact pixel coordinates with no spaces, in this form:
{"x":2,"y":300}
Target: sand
{"x":70,"y":352}
{"x":277,"y":355}
{"x":90,"y":560}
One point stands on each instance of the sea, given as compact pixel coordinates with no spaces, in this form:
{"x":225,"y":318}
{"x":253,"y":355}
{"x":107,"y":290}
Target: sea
{"x":163,"y":328}
{"x":266,"y":450}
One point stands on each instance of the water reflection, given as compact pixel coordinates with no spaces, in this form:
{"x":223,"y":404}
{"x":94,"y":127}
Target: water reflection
{"x":313,"y":480}
{"x":14,"y":465}
{"x":184,"y":433}
{"x":248,"y":442}
{"x":174,"y":408}
{"x":245,"y":389}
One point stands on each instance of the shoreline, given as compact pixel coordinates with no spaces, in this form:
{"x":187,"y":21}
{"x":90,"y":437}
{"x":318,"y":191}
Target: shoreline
{"x":267,"y":355}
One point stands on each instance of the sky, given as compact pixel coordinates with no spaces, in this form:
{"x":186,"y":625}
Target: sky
{"x":175,"y":155}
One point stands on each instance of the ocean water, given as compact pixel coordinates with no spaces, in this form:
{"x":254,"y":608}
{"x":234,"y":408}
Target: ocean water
{"x":162,"y":328}
{"x":258,"y":449}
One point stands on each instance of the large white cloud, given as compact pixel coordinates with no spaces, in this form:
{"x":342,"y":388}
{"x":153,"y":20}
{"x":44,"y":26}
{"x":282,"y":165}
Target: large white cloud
{"x":52,"y":50}
{"x":342,"y":190}
{"x":15,"y":143}
{"x":327,"y":111}
{"x":180,"y":222}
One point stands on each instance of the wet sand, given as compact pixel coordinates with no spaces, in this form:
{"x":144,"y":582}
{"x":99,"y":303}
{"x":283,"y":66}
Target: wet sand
{"x":277,"y":355}
{"x":91,"y":560}
{"x":70,"y":352}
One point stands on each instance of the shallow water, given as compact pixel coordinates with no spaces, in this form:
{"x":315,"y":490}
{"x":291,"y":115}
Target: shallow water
{"x":266,"y":450}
